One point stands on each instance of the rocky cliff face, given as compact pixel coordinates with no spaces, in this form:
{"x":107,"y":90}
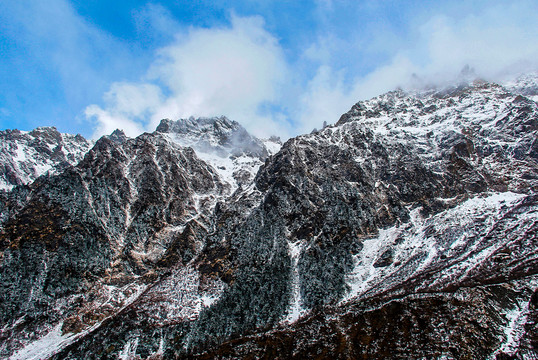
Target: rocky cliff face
{"x":405,"y":230}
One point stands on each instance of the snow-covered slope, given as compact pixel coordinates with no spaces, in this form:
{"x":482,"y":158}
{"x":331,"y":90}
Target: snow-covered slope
{"x":24,"y":156}
{"x":492,"y":129}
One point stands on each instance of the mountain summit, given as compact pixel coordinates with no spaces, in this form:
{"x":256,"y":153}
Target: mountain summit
{"x":405,"y":230}
{"x":223,"y":143}
{"x":218,"y":135}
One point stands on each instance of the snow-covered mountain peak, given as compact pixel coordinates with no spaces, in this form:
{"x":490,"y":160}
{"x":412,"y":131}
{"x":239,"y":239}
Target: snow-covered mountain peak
{"x":27,"y":155}
{"x":219,"y":135}
{"x":476,"y":105}
{"x":222,"y":143}
{"x":484,"y":118}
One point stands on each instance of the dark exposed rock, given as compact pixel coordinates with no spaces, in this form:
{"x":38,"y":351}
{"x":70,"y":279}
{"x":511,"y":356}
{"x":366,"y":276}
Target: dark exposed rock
{"x":385,"y":259}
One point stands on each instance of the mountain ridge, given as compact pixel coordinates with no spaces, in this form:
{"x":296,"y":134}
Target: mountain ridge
{"x":411,"y":201}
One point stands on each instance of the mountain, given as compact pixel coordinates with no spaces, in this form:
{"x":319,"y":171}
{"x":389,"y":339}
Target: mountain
{"x":103,"y":230}
{"x":24,"y":156}
{"x":405,"y":230}
{"x":411,"y":231}
{"x":411,"y":222}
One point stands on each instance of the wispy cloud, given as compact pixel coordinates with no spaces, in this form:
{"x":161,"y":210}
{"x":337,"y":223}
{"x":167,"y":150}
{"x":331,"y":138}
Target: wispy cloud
{"x":155,"y":23}
{"x":126,"y":102}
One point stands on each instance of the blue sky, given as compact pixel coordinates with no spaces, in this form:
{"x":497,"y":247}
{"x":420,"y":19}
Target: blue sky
{"x":277,"y":67}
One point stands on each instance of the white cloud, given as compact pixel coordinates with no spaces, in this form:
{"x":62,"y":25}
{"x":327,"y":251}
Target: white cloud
{"x":206,"y":72}
{"x":107,"y":122}
{"x":324,"y":98}
{"x":133,"y":100}
{"x":493,"y":43}
{"x":127,"y":106}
